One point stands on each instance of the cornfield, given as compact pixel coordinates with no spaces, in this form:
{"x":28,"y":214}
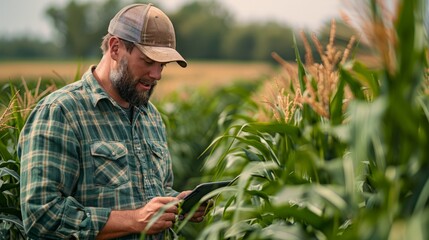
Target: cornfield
{"x":329,"y":150}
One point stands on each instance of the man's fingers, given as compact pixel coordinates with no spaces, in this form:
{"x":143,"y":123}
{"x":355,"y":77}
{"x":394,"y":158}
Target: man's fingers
{"x":165,"y":200}
{"x":197,"y":219}
{"x":172,"y":209}
{"x":169,"y":217}
{"x":166,"y":204}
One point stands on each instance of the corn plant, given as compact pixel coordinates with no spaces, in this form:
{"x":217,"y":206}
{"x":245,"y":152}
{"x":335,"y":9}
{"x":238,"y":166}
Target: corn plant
{"x":210,"y":111}
{"x":346,"y":157}
{"x":10,"y":222}
{"x":206,"y":109}
{"x":15,"y":110}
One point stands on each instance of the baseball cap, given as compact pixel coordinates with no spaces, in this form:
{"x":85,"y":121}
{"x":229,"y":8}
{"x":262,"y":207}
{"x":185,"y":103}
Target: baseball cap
{"x":150,"y":30}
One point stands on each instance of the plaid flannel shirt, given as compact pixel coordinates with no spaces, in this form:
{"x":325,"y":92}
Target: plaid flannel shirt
{"x":81,"y":157}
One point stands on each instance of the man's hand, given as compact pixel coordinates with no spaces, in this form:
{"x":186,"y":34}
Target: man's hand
{"x":159,"y":205}
{"x":200,"y":212}
{"x":124,"y":222}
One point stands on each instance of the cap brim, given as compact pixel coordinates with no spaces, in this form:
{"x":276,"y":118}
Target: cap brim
{"x":162,"y":54}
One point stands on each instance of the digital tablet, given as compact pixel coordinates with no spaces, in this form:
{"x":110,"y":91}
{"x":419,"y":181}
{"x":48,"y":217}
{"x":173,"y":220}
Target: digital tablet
{"x":199,"y":192}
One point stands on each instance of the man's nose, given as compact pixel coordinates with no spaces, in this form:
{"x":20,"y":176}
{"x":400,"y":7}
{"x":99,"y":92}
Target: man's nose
{"x":155,"y":71}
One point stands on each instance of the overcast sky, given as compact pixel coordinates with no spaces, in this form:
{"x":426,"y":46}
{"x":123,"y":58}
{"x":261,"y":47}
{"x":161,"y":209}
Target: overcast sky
{"x":19,"y":17}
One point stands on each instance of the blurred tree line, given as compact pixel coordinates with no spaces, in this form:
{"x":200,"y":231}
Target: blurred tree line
{"x":204,"y":30}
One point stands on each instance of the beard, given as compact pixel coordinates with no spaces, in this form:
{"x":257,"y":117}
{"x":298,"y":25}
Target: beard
{"x":125,"y":84}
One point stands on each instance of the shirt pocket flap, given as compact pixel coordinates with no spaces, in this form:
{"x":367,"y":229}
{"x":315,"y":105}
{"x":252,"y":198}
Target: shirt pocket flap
{"x":157,"y":149}
{"x":110,"y":150}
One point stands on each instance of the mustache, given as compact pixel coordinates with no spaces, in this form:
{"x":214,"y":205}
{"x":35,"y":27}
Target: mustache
{"x":151,"y":83}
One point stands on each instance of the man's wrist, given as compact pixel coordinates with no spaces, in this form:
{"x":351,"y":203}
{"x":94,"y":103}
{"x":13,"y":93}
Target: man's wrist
{"x":131,"y":217}
{"x":121,"y":223}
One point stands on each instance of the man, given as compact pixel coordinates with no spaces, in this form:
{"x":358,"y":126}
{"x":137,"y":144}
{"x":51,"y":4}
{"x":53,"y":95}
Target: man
{"x":94,"y":156}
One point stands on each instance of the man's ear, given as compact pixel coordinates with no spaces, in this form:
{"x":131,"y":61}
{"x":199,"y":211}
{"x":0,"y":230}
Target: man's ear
{"x":114,"y":43}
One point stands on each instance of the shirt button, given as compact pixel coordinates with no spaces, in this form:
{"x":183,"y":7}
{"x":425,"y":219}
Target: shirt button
{"x":113,"y":153}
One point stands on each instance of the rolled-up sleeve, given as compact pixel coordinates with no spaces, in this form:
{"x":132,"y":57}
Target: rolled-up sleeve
{"x":49,"y":153}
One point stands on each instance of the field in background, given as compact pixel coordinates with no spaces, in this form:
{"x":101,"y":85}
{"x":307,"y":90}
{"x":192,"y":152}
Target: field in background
{"x":197,"y":74}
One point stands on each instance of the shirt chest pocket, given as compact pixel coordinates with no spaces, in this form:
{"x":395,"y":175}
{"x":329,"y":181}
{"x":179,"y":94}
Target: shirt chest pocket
{"x":110,"y":163}
{"x":160,"y":161}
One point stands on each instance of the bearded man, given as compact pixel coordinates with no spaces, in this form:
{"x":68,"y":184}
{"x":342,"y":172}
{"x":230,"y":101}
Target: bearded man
{"x":94,"y":155}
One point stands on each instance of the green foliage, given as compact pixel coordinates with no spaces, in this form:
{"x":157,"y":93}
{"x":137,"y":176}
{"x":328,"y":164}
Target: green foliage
{"x":206,"y":109}
{"x":15,"y":104}
{"x":81,"y":26}
{"x":359,"y":174}
{"x":10,"y":215}
{"x":26,"y":48}
{"x":200,"y":27}
{"x":194,"y":119}
{"x":257,"y":41}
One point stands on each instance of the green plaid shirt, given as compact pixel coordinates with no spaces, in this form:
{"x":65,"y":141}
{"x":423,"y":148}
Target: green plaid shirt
{"x":81,"y":157}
